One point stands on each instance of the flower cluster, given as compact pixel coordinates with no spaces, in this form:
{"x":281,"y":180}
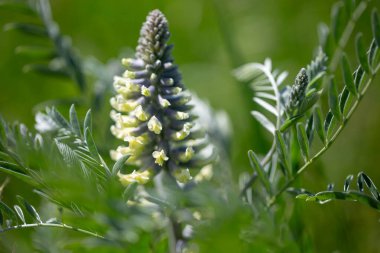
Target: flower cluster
{"x":298,"y":92}
{"x":152,"y":111}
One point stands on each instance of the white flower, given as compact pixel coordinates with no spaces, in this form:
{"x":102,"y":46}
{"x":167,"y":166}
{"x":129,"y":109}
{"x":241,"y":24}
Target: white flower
{"x":154,"y":125}
{"x":138,"y":177}
{"x":160,"y":157}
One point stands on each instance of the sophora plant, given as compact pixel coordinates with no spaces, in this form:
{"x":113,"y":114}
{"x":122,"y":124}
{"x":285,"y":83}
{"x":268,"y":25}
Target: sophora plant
{"x":166,"y":187}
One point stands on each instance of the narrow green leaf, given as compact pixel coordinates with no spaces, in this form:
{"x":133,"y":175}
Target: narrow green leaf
{"x":338,"y":22}
{"x":376,"y":27}
{"x":324,"y":36}
{"x":45,"y":70}
{"x":347,"y":76}
{"x":318,"y":124}
{"x":310,"y":129}
{"x":3,"y":131}
{"x":29,"y":208}
{"x":60,"y":119}
{"x":317,"y":78}
{"x":74,"y":121}
{"x":310,"y":100}
{"x":282,"y":151}
{"x":255,"y":164}
{"x":347,"y":182}
{"x":328,"y":120}
{"x":20,"y":213}
{"x":1,"y":218}
{"x":360,"y":182}
{"x":371,"y":186}
{"x":88,"y":121}
{"x":333,"y":100}
{"x":264,"y":121}
{"x":303,"y":141}
{"x":372,"y":52}
{"x":31,"y":29}
{"x":343,"y":97}
{"x":119,"y":164}
{"x":35,"y":52}
{"x":7,"y":210}
{"x":49,"y":198}
{"x":13,"y":170}
{"x":265,"y":105}
{"x":359,"y":73}
{"x":129,"y":191}
{"x":361,"y":53}
{"x":289,"y":122}
{"x":91,"y":144}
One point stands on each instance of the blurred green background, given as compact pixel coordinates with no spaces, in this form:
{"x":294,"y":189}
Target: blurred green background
{"x":211,"y":39}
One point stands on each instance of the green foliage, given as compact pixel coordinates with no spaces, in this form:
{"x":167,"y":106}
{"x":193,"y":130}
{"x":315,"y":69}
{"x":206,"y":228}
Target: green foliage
{"x":59,"y":58}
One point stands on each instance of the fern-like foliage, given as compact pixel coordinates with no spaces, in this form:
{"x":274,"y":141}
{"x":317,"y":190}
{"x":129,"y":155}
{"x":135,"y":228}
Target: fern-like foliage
{"x":299,"y":116}
{"x":75,"y":143}
{"x":13,"y":219}
{"x":59,"y":59}
{"x":372,"y":199}
{"x":28,"y":156}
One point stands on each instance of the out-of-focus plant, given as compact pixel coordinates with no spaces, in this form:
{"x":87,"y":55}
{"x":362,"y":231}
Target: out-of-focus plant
{"x":168,"y":190}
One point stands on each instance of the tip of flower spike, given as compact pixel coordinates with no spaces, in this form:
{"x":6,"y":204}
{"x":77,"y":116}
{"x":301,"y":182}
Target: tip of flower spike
{"x":153,"y":37}
{"x":302,"y":78}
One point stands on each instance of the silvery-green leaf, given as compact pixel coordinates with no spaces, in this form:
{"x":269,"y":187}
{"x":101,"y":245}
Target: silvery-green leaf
{"x":270,"y":108}
{"x":264,"y":121}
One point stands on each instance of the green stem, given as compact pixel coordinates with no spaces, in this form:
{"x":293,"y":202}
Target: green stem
{"x":56,"y":225}
{"x":274,"y":199}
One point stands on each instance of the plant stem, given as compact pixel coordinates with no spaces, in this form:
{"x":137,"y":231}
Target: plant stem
{"x":56,"y":225}
{"x":274,"y":199}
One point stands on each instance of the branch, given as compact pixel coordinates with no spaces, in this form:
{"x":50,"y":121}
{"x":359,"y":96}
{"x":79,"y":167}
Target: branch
{"x":274,"y":199}
{"x":56,"y":225}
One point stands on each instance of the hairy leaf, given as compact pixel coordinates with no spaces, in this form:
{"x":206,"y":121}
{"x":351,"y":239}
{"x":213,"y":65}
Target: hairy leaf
{"x":20,"y":213}
{"x":264,"y":121}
